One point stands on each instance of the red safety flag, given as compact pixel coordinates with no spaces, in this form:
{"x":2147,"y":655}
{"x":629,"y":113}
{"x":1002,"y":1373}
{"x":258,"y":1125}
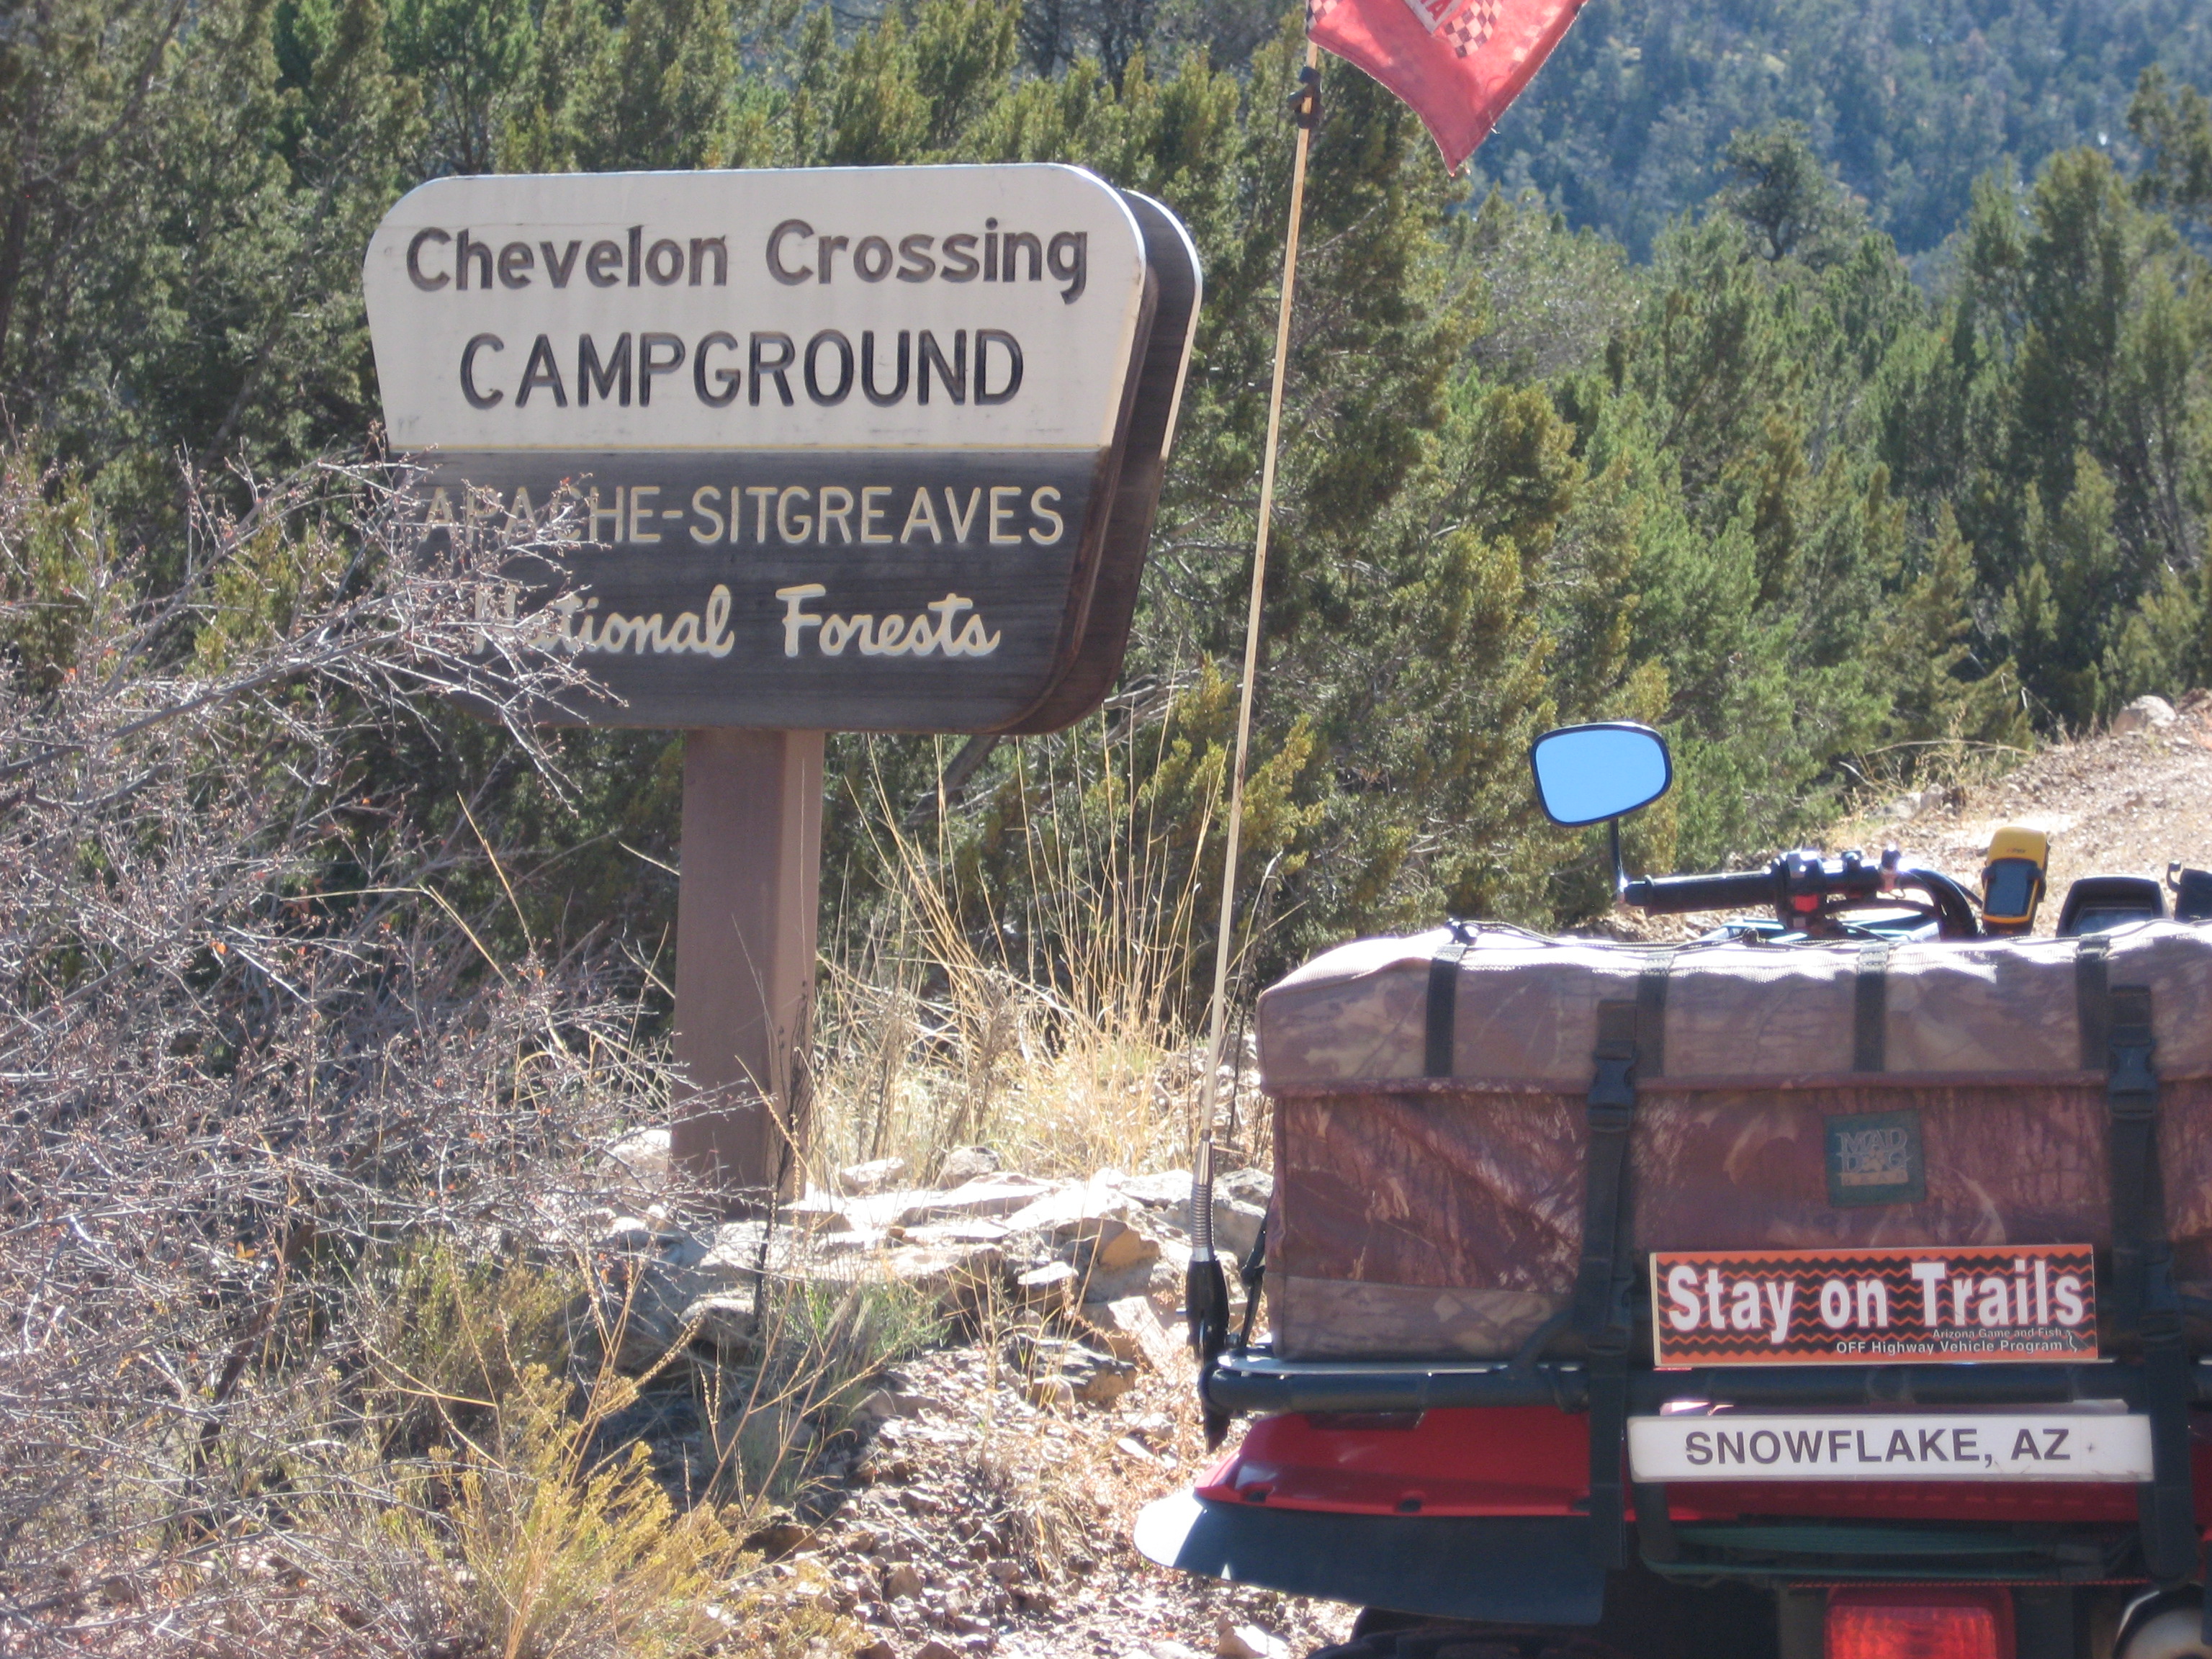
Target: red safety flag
{"x":1457,"y":62}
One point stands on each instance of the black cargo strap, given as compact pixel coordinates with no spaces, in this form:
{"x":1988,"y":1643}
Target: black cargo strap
{"x":1253,"y":1274}
{"x":1440,"y":1035}
{"x":1611,"y":1112}
{"x":1870,"y":1009}
{"x":2116,"y":1039}
{"x":1630,"y":1046}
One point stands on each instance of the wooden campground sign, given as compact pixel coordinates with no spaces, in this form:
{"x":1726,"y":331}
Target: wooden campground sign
{"x":787,"y":452}
{"x":847,"y":449}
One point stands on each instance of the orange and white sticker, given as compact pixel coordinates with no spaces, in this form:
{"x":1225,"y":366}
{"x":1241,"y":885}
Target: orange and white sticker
{"x":1904,"y":1305}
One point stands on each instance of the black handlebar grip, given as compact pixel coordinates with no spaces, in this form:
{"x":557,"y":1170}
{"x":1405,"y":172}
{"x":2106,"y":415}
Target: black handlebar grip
{"x":1679,"y":895}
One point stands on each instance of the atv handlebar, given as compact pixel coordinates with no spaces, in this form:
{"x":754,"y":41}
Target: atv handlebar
{"x":1675,"y":896}
{"x":1803,"y":889}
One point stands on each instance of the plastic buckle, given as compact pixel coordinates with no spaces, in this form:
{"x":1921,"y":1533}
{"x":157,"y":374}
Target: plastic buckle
{"x":1613,"y":1094}
{"x":1610,"y":1343}
{"x":2132,"y":1081}
{"x":1607,"y":1348}
{"x":2158,"y":1321}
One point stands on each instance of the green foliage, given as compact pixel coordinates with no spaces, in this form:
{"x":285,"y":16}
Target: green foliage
{"x":470,"y":58}
{"x":563,"y":1553}
{"x":2175,"y":131}
{"x":1815,"y":518}
{"x":1908,"y":104}
{"x":54,"y":574}
{"x":1781,"y":193}
{"x":449,"y":1338}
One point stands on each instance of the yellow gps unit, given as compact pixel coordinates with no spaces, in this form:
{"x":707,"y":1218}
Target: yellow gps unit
{"x":2012,"y":878}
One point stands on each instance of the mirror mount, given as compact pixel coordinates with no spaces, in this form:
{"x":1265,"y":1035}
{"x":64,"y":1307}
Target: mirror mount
{"x":1594,"y":773}
{"x":1588,"y":774}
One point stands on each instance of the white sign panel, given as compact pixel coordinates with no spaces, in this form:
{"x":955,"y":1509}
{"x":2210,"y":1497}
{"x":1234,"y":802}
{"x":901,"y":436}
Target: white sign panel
{"x":2057,"y":1445}
{"x":966,"y":309}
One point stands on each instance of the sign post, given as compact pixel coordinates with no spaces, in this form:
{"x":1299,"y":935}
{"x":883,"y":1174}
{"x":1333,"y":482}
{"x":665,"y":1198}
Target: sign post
{"x":841,"y":449}
{"x":751,"y":859}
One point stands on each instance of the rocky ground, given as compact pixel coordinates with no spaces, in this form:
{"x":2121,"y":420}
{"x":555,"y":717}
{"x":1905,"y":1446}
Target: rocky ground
{"x":977,"y":1497}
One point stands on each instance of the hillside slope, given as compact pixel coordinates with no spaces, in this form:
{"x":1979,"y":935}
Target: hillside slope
{"x":1910,"y":104}
{"x":2117,"y":804}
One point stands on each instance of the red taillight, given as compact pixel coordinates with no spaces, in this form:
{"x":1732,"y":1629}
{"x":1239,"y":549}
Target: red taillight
{"x":1919,"y":1624}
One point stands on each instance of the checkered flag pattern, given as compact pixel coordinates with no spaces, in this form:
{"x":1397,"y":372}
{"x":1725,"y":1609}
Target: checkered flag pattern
{"x":1471,"y":27}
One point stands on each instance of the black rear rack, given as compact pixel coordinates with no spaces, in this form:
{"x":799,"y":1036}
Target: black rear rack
{"x":1256,"y":1382}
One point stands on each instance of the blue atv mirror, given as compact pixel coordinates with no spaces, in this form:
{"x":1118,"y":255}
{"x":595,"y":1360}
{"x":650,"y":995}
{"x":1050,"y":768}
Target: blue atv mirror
{"x":1587,"y":773}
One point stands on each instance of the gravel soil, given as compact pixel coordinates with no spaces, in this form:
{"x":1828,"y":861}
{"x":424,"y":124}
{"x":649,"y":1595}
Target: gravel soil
{"x":2123,"y":804}
{"x":984,"y":1524}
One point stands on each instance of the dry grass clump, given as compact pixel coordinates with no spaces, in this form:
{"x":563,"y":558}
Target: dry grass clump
{"x":770,"y":1419}
{"x":942,"y":1026}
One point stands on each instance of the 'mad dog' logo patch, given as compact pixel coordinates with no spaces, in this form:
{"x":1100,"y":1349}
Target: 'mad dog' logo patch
{"x":1875,"y":1159}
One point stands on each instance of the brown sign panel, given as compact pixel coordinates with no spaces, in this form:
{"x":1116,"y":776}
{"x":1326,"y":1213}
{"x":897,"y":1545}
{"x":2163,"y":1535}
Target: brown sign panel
{"x":795,"y":588}
{"x":1903,"y":1306}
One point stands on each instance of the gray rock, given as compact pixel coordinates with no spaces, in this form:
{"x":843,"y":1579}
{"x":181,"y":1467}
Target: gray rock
{"x":1106,"y":1383}
{"x":1168,"y":1285}
{"x":1120,"y":1247}
{"x":1240,"y":1205}
{"x":822,"y":1213}
{"x":725,"y":1323}
{"x":964,"y":1163}
{"x":1095,"y":1286}
{"x":1049,"y":1287}
{"x":1053,"y":1393}
{"x":1250,"y":1641}
{"x":648,"y":1275}
{"x":1164,"y":1190}
{"x":817,"y":1211}
{"x":1249,"y":1186}
{"x":959,"y":1278}
{"x":877,"y":1406}
{"x":637,"y":1312}
{"x":640,"y":1158}
{"x":1130,"y":1330}
{"x":987,"y":1195}
{"x":2145,"y":714}
{"x":1089,"y":1375}
{"x":1236,"y":1225}
{"x":858,"y":1180}
{"x":627,"y":1233}
{"x":651,"y":1234}
{"x":736,"y":1250}
{"x":1076,"y":1216}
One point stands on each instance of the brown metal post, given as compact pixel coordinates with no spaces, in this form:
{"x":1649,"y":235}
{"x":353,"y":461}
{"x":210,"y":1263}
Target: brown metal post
{"x":751,"y":859}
